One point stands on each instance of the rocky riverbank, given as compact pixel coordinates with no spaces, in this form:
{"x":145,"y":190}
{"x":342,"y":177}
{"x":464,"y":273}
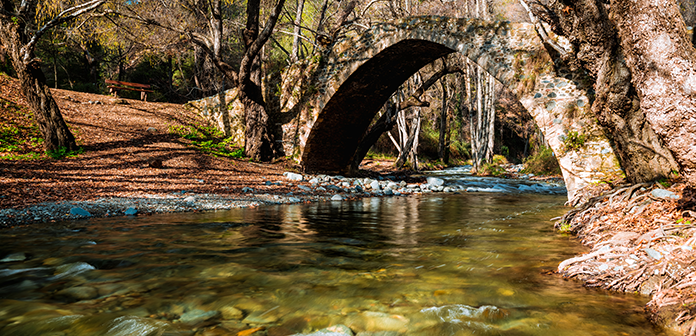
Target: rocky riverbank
{"x":291,"y":188}
{"x":643,"y":240}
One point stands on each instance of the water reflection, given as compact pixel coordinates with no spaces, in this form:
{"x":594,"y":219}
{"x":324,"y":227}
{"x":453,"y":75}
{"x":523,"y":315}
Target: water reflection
{"x":432,"y":265}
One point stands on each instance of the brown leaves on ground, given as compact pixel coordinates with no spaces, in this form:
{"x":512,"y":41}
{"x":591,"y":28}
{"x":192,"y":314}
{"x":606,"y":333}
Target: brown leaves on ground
{"x":128,"y":153}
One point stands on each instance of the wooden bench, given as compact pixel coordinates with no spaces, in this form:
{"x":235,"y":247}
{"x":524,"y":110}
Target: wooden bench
{"x":114,"y":86}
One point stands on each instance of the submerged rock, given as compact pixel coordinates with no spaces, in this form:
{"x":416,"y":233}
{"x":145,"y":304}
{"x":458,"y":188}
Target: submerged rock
{"x":19,"y":256}
{"x":80,"y":212}
{"x":78,"y":293}
{"x":337,"y":330}
{"x":196,"y":316}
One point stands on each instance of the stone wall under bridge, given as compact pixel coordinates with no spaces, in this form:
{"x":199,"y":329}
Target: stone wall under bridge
{"x":328,"y":102}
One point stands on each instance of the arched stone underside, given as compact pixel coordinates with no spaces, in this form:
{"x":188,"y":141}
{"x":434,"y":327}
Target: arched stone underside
{"x":359,"y":74}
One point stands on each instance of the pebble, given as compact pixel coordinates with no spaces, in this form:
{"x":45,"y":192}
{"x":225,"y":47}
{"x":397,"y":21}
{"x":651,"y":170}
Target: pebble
{"x":190,"y":199}
{"x":247,"y":190}
{"x":130,"y":211}
{"x":336,"y":198}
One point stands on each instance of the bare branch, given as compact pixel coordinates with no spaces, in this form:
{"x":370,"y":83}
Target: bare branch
{"x":64,"y":16}
{"x":538,"y":25}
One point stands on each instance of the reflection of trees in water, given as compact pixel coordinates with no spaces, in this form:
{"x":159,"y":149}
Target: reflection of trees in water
{"x":402,"y":221}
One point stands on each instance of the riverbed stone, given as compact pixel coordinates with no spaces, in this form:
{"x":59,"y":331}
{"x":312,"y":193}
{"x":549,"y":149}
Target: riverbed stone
{"x":336,"y":330}
{"x":231,"y":313}
{"x":19,"y":256}
{"x":375,"y":186}
{"x":78,"y":293}
{"x":377,"y":321}
{"x":336,"y":198}
{"x":73,"y":268}
{"x":130,"y":211}
{"x":259,"y":317}
{"x":196,"y":316}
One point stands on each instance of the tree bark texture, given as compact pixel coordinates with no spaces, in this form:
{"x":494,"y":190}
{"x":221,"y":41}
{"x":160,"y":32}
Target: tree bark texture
{"x":619,"y":110}
{"x":662,"y":58}
{"x":259,"y":144}
{"x":33,"y":84}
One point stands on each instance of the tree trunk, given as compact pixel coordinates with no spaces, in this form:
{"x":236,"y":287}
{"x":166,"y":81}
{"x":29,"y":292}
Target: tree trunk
{"x":296,"y":32}
{"x":441,"y":146}
{"x":618,"y":106}
{"x":662,"y":58}
{"x":259,"y":144}
{"x":55,"y":132}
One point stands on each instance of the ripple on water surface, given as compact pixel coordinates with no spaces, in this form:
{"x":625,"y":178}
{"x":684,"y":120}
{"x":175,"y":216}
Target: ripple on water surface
{"x":469,"y":264}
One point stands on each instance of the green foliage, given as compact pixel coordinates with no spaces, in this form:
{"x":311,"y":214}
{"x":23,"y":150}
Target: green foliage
{"x":492,"y":169}
{"x":564,"y":227}
{"x":505,"y":151}
{"x":20,"y":138}
{"x":208,"y":139}
{"x":573,"y":141}
{"x":665,"y":183}
{"x":499,"y":160}
{"x":683,"y":221}
{"x":63,"y":152}
{"x":542,"y":163}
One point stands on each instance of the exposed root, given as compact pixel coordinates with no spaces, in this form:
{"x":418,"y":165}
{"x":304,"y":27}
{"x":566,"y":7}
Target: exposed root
{"x":640,"y":243}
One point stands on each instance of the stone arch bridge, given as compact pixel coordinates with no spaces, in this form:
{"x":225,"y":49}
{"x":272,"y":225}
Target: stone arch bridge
{"x":328,"y":103}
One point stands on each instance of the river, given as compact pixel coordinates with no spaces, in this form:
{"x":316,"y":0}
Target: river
{"x":474,"y":263}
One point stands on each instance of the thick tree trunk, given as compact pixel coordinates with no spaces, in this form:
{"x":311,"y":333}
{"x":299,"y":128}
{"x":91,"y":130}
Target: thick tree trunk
{"x":441,"y":145}
{"x":55,"y":132}
{"x":617,"y":105}
{"x":662,"y":61}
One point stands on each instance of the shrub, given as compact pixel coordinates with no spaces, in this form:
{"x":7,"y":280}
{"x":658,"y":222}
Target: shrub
{"x":542,"y":163}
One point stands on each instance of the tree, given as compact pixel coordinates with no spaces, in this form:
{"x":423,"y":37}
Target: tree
{"x":642,"y":62}
{"x":202,"y":23}
{"x":19,"y":36}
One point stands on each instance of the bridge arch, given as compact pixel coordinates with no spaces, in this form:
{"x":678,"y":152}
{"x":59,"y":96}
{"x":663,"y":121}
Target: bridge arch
{"x":358,"y":75}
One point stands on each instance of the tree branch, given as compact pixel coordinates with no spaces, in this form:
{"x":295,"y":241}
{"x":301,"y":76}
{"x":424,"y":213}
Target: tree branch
{"x":64,"y":16}
{"x":255,"y":47}
{"x":539,"y":27}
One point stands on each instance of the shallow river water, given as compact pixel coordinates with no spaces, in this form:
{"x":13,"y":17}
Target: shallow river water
{"x":462,"y":264}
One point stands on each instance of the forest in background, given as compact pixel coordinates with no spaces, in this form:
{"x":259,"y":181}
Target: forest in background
{"x":189,"y":49}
